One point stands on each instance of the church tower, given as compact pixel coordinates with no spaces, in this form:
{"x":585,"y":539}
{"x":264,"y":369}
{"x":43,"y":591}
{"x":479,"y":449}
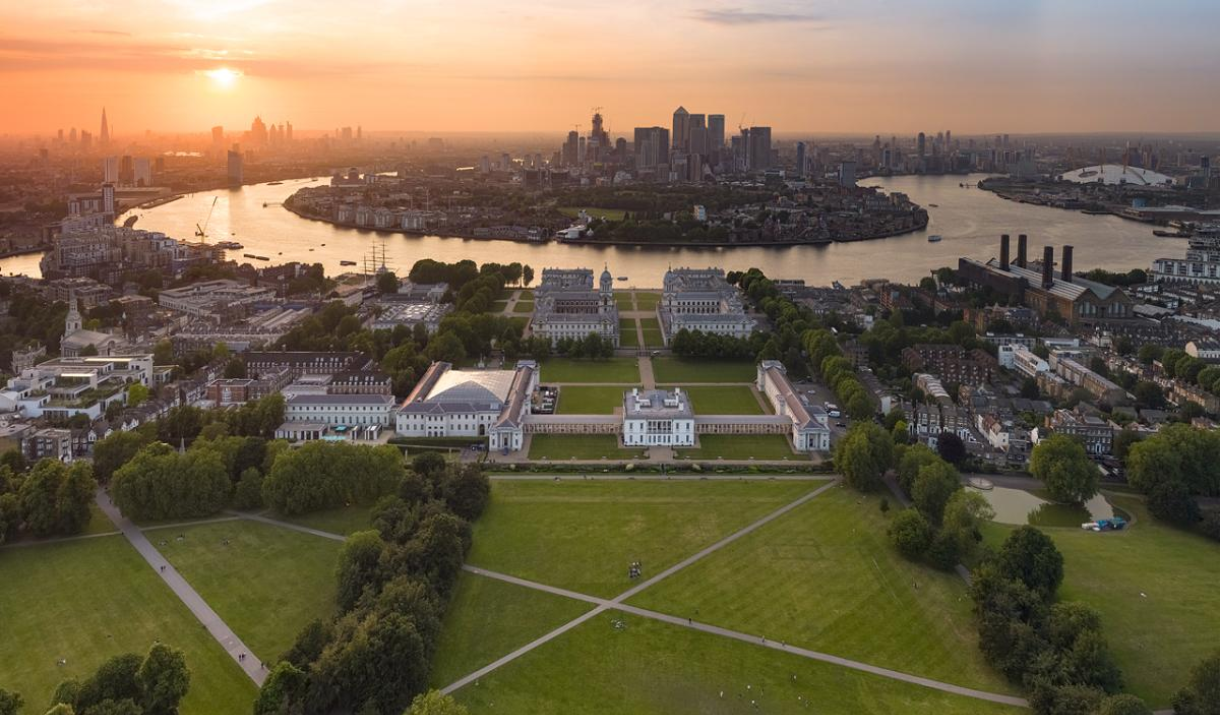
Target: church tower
{"x":607,"y":290}
{"x":72,"y":322}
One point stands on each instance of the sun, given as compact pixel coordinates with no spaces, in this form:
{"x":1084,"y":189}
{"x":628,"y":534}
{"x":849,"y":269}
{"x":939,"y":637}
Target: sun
{"x":223,"y":76}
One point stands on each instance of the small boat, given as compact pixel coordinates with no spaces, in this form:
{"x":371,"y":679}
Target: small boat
{"x":274,"y":183}
{"x":262,"y":258}
{"x":622,"y":278}
{"x":347,"y":263}
{"x":934,"y":238}
{"x":1171,"y":234}
{"x":933,"y":206}
{"x":249,"y":255}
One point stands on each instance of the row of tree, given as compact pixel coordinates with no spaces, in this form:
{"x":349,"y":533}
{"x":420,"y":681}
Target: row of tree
{"x":944,"y":527}
{"x":324,"y":475}
{"x":394,"y":584}
{"x":1174,"y":468}
{"x":125,"y":684}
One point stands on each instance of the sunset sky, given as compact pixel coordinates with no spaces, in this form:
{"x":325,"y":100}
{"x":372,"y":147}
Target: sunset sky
{"x":477,"y":65}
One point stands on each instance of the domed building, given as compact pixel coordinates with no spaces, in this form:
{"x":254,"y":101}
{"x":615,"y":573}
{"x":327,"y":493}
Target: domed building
{"x":568,"y":306}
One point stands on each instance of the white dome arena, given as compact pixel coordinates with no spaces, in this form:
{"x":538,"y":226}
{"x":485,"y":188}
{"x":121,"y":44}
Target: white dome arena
{"x":1117,"y":174}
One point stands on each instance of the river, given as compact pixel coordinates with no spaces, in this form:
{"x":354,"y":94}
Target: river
{"x":970,"y":220}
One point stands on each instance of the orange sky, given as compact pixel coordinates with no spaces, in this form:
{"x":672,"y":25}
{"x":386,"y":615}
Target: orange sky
{"x":478,"y":65}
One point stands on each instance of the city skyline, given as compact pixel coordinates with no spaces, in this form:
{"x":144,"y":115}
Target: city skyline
{"x":814,"y":68}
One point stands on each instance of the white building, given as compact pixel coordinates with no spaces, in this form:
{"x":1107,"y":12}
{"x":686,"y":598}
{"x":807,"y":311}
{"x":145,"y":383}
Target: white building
{"x":658,"y":418}
{"x":461,"y":403}
{"x":347,"y":410}
{"x":566,"y":305}
{"x":810,"y":431}
{"x":701,"y":299}
{"x":1027,"y":363}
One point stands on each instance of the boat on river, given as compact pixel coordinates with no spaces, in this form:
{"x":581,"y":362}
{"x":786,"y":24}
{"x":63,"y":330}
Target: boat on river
{"x":935,"y":238}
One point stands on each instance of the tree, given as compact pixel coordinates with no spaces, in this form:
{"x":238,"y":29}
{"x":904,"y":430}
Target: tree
{"x":159,"y":483}
{"x":137,"y":394}
{"x":910,"y":533}
{"x":249,"y":492}
{"x":527,"y":274}
{"x":11,"y":702}
{"x":1201,"y":696}
{"x":55,"y":498}
{"x":1149,"y":353}
{"x":358,"y":566}
{"x":466,"y":491}
{"x":115,"y":679}
{"x":1149,"y":394}
{"x":434,"y":702}
{"x":1061,"y":464}
{"x":113,"y":451}
{"x":163,"y":679}
{"x":1030,"y":556}
{"x":387,"y":282}
{"x":324,"y":475}
{"x":446,"y":347}
{"x":235,"y":369}
{"x":964,"y":517}
{"x":864,"y":455}
{"x":913,"y":459}
{"x":934,"y":485}
{"x":1172,"y":501}
{"x":1123,"y":442}
{"x":282,"y":691}
{"x":950,"y":448}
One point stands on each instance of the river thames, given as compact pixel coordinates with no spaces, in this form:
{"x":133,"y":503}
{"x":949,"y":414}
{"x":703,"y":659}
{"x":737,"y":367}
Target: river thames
{"x":969,"y":219}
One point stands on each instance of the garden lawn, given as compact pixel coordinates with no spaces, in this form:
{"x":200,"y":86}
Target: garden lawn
{"x":85,"y":601}
{"x":499,"y":306}
{"x":629,"y":338}
{"x":343,"y":521}
{"x":583,"y":535}
{"x":564,"y":447}
{"x":653,"y":338}
{"x":743,"y":446}
{"x":487,"y":619}
{"x":266,"y":583}
{"x":824,"y":576}
{"x":649,"y":668}
{"x":647,"y":301}
{"x":99,"y":523}
{"x":677,"y":371}
{"x":524,"y":306}
{"x":624,"y":299}
{"x":593,"y":211}
{"x":650,"y":324}
{"x":734,"y":400}
{"x":589,"y":400}
{"x":1158,"y":637}
{"x":616,"y":370}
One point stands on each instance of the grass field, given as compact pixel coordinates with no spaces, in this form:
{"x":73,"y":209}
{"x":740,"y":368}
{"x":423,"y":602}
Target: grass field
{"x":732,"y":446}
{"x":629,"y":339}
{"x":344,"y":521}
{"x":87,"y":600}
{"x":676,"y":370}
{"x":266,"y":583}
{"x":589,"y":400}
{"x":650,"y":324}
{"x":647,"y":301}
{"x":734,"y":400}
{"x":593,"y":211}
{"x":524,"y":306}
{"x":652,"y":668}
{"x":583,"y":535}
{"x":99,"y":523}
{"x":653,"y":339}
{"x":618,"y":370}
{"x":1159,"y":637}
{"x":563,"y":447}
{"x":624,"y":299}
{"x":825,"y":577}
{"x":487,"y":619}
{"x":499,"y":306}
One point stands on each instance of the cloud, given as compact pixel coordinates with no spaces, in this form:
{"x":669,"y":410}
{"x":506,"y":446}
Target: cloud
{"x":112,"y":33}
{"x":738,"y":16}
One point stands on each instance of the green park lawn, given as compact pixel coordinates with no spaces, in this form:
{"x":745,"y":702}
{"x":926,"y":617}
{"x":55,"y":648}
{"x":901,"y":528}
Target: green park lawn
{"x":589,"y":399}
{"x":88,"y":600}
{"x":593,"y":211}
{"x":718,"y":400}
{"x":651,"y":668}
{"x":734,"y":446}
{"x":653,"y":338}
{"x":564,"y":447}
{"x":624,"y":300}
{"x":345,"y":520}
{"x":99,"y":523}
{"x":650,"y":324}
{"x":1156,"y":589}
{"x":617,"y":370}
{"x":487,"y":619}
{"x":825,"y":577}
{"x":647,"y":301}
{"x":524,"y":306}
{"x":266,"y":583}
{"x":583,"y":535}
{"x":678,"y":371}
{"x":499,"y":306}
{"x":629,"y":338}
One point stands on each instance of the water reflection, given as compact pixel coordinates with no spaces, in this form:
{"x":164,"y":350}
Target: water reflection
{"x":1017,"y":506}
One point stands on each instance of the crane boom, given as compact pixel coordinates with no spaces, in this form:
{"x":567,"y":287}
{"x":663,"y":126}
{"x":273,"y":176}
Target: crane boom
{"x":202,"y":231}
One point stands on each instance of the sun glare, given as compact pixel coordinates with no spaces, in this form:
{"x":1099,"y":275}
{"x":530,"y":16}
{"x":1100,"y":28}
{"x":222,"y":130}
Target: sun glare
{"x":223,"y":76}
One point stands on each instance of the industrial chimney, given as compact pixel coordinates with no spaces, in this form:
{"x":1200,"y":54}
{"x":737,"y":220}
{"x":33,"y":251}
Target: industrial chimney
{"x":1004,"y":252}
{"x":1048,"y":267}
{"x":1022,"y":240}
{"x":1067,"y":264}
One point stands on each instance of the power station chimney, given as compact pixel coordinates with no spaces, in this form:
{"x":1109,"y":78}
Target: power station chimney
{"x":1048,"y":267}
{"x":1004,"y":252}
{"x":1022,"y":240}
{"x":1067,"y":264}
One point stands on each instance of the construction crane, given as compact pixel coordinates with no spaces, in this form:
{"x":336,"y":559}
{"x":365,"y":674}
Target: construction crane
{"x":202,"y":231}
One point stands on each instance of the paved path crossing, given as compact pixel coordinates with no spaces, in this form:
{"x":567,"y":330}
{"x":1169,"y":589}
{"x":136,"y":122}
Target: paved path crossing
{"x":289,"y":525}
{"x":219,"y":630}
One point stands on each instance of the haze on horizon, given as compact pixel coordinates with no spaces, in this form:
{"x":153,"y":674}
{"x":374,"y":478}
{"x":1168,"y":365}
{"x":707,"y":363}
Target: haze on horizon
{"x":831,"y":66}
